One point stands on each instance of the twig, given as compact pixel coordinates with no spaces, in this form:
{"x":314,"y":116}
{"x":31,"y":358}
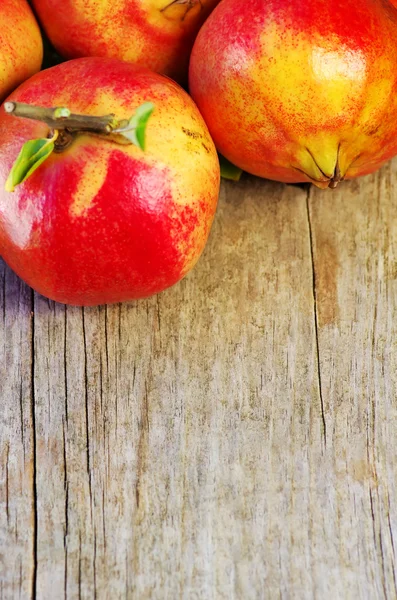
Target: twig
{"x":62,"y":118}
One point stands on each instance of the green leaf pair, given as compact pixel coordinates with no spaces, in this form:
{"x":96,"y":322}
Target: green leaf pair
{"x":31,"y":156}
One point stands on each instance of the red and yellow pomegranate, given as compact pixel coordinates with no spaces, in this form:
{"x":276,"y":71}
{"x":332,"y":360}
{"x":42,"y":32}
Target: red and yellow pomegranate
{"x":101,"y":222}
{"x":21,"y":47}
{"x":297,"y":90}
{"x":157,"y":34}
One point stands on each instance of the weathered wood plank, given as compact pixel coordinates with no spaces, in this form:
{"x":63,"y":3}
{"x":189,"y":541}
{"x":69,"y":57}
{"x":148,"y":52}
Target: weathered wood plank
{"x":192,"y":445}
{"x":163,"y":426}
{"x":17,"y":452}
{"x":355,"y":259}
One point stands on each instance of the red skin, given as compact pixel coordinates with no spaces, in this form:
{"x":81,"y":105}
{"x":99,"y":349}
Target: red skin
{"x":274,"y":78}
{"x":153,"y":33}
{"x":143,"y":226}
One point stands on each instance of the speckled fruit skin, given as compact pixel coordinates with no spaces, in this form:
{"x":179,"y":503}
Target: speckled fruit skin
{"x":289,"y":89}
{"x":157,"y":34}
{"x":21,"y":46}
{"x":103,"y":222}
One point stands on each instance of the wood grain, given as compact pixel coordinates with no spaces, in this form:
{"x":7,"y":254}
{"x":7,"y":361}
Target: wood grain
{"x":231,"y":438}
{"x":17,"y":461}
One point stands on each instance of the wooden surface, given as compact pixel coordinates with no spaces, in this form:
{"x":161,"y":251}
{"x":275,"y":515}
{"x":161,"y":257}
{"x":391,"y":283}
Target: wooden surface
{"x":234,"y":437}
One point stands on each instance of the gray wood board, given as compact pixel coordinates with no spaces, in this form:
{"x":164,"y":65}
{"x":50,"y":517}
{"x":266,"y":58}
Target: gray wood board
{"x":233,"y":437}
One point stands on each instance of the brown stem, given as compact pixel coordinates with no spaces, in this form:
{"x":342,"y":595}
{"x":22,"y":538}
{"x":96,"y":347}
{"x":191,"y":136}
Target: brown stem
{"x":54,"y":118}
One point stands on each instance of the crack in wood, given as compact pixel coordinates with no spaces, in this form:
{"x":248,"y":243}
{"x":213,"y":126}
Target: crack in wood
{"x":66,"y":509}
{"x":315,"y":310}
{"x":20,"y":579}
{"x":142,"y":444}
{"x":378,"y":542}
{"x":87,"y":426}
{"x":106,"y":341}
{"x":383,"y":566}
{"x":22,"y":417}
{"x":65,"y":365}
{"x":158,"y":316}
{"x":7,"y":484}
{"x":79,"y":569}
{"x":104,"y":521}
{"x":392,"y":546}
{"x":94,"y":564}
{"x":3,"y":269}
{"x":34,"y":452}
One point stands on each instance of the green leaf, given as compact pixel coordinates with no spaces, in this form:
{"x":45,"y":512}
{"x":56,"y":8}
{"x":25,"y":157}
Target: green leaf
{"x":229,"y":170}
{"x":32,"y":155}
{"x":136,"y":128}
